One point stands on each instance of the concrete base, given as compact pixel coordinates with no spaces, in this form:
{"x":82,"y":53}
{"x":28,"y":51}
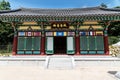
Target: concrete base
{"x":77,"y":61}
{"x":117,"y":74}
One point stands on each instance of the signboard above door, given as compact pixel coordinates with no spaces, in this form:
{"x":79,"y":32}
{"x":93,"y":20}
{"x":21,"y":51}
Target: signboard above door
{"x":60,"y":25}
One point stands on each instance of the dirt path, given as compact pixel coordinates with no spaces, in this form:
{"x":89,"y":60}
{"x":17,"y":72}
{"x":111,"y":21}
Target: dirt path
{"x":39,"y":73}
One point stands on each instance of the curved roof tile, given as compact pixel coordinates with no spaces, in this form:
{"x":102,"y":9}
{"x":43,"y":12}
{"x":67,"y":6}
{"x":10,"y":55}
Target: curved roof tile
{"x":60,"y":12}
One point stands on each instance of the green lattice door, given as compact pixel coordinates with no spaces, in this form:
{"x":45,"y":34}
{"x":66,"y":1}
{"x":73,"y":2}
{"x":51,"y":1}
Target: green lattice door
{"x":21,"y":45}
{"x":100,"y":44}
{"x":28,"y":45}
{"x":36,"y":42}
{"x":84,"y":44}
{"x":91,"y":45}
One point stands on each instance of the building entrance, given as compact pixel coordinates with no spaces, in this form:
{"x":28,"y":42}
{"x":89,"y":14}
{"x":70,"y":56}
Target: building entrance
{"x":60,"y":45}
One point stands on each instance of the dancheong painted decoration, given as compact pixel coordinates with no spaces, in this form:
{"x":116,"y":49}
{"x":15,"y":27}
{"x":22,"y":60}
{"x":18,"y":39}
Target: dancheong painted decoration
{"x":73,"y":31}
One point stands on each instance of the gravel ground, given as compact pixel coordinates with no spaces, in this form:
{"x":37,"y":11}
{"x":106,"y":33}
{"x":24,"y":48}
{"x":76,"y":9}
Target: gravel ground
{"x":39,"y":73}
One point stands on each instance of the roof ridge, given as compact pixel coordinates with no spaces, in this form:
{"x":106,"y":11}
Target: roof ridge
{"x":23,"y":8}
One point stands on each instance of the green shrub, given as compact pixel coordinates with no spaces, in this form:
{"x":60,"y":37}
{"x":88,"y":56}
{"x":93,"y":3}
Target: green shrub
{"x":113,"y":39}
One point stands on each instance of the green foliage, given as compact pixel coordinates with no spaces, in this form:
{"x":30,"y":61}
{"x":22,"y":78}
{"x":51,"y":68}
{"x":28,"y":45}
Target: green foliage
{"x":113,"y":39}
{"x":117,"y":7}
{"x":103,"y":5}
{"x":6,"y":33}
{"x":114,"y":29}
{"x":5,"y":49}
{"x":114,"y":32}
{"x":4,"y":5}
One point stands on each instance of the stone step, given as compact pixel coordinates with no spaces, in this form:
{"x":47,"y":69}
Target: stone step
{"x":60,"y":63}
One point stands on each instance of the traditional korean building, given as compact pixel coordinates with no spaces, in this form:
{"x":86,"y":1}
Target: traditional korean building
{"x":76,"y":31}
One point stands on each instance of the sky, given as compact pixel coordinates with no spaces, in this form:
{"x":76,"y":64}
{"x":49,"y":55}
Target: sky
{"x":61,"y":3}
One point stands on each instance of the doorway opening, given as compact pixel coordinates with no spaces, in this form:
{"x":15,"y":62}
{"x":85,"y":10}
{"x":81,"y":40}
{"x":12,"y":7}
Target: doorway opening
{"x":60,"y":45}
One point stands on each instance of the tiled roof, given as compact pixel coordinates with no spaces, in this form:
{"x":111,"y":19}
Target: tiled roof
{"x":60,"y":12}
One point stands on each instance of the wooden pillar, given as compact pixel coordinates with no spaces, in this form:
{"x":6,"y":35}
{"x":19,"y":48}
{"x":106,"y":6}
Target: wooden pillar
{"x":77,"y":39}
{"x":43,"y":44}
{"x":42,"y":40}
{"x":106,"y":45}
{"x":77,"y":43}
{"x":14,"y":49}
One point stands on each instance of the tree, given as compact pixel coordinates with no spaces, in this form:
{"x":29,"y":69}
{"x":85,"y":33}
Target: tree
{"x":6,"y":31}
{"x":103,"y":5}
{"x":4,"y":5}
{"x":114,"y":29}
{"x":117,"y":7}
